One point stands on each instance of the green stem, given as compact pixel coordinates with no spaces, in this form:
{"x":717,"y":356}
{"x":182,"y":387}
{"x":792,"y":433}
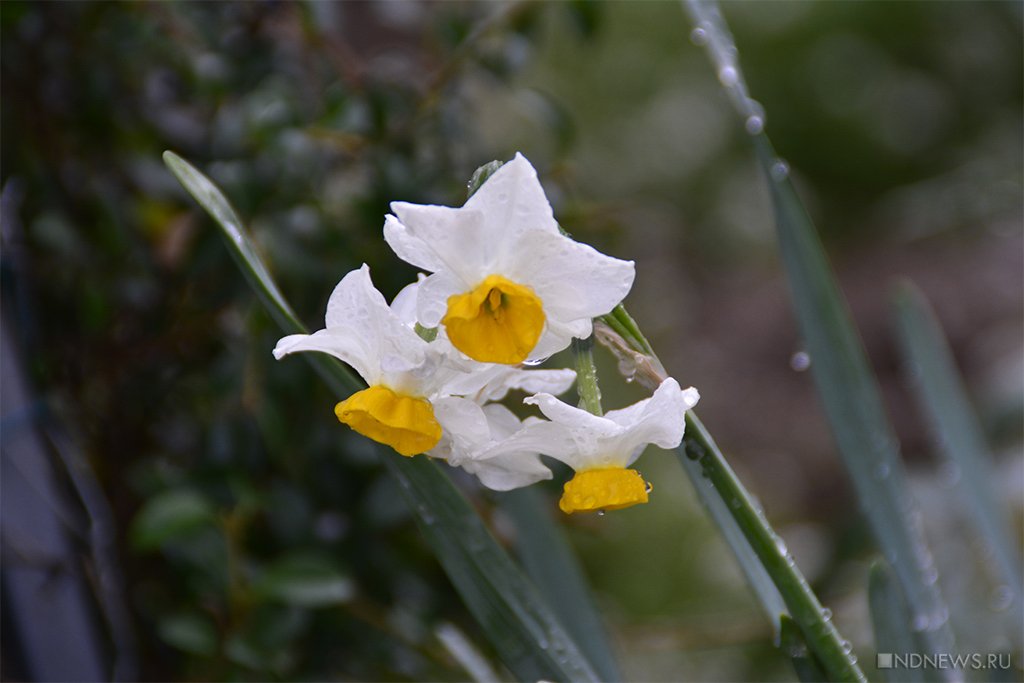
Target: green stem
{"x":814,"y":622}
{"x":586,"y":375}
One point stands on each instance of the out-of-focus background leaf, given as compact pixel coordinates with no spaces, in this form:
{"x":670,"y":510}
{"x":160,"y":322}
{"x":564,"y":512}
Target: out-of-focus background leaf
{"x":230,"y":480}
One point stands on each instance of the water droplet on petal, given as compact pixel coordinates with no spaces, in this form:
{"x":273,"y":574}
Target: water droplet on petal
{"x":754,"y":124}
{"x":600,"y":513}
{"x":535,"y":362}
{"x":648,"y":487}
{"x":920,"y":622}
{"x":699,"y":36}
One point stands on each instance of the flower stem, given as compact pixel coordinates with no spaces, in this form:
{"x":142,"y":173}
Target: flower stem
{"x":824,"y":641}
{"x":586,"y":375}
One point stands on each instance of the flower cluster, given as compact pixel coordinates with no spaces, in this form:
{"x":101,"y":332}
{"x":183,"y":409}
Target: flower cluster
{"x":505,"y":290}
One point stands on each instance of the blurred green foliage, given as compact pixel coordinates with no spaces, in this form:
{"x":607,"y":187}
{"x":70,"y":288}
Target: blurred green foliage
{"x":261,"y":540}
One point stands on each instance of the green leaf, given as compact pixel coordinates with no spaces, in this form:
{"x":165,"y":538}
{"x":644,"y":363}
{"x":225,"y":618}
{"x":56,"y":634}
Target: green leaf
{"x":517,"y":620}
{"x":955,"y":430}
{"x":791,"y":640}
{"x":815,"y":624}
{"x":189,"y":632}
{"x":519,"y":623}
{"x":549,"y":560}
{"x":853,"y":404}
{"x":840,"y":367}
{"x":305,"y":581}
{"x":889,"y":618}
{"x":171,"y":515}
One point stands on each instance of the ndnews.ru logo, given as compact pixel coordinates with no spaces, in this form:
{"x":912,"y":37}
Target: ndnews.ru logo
{"x":942,"y":660}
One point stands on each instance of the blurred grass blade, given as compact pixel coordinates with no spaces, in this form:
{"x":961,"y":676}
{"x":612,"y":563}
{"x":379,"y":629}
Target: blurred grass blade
{"x":518,"y":622}
{"x":462,"y":650}
{"x":840,"y":367}
{"x":941,"y":394}
{"x":889,"y":619}
{"x":792,"y":643}
{"x":548,"y":559}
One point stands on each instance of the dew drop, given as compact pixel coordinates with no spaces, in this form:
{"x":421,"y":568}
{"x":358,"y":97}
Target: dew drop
{"x":931,"y":575}
{"x":826,"y":614}
{"x":800,"y":361}
{"x":780,"y":545}
{"x":600,"y":513}
{"x":699,"y":36}
{"x":648,"y":487}
{"x":754,"y":124}
{"x":728,"y":76}
{"x":853,"y":658}
{"x":920,"y":623}
{"x":847,"y":646}
{"x":780,"y":170}
{"x":535,"y":362}
{"x":882,"y":471}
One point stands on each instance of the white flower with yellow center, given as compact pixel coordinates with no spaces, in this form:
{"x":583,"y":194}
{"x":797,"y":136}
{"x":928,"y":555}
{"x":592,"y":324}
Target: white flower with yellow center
{"x":601,"y":448}
{"x":407,"y":376}
{"x":506,"y":284}
{"x":404,"y":372}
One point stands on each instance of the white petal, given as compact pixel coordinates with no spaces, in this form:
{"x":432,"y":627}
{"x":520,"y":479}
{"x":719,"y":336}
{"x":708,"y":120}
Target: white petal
{"x":454,"y":238}
{"x":362,"y":331}
{"x":403,"y":306}
{"x":432,"y":297}
{"x":558,"y":335}
{"x":659,"y":420}
{"x":530,"y":381}
{"x":512,"y":202}
{"x":345,"y":347}
{"x":474,"y":440}
{"x":502,"y":421}
{"x":409,"y":248}
{"x":464,"y":424}
{"x":574,"y":280}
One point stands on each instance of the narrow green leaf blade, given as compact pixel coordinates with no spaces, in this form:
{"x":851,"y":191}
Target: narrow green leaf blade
{"x":545,"y":554}
{"x":955,"y":429}
{"x":840,"y":367}
{"x":758,"y":578}
{"x":854,"y":407}
{"x":791,"y":640}
{"x":531,"y":641}
{"x":523,"y":629}
{"x":889,"y":618}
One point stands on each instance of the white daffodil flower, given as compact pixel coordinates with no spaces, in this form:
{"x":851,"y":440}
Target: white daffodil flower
{"x":490,"y":442}
{"x":506,"y":284}
{"x":600,"y":448}
{"x":404,"y":372}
